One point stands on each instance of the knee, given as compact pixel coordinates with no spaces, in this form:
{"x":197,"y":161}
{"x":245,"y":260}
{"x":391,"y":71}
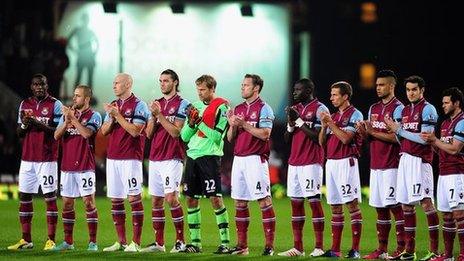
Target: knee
{"x":264,"y":202}
{"x":68,"y":205}
{"x":241,"y":203}
{"x":172,"y":200}
{"x":447,"y":215}
{"x":157,"y":202}
{"x":336,"y":209}
{"x":89,"y":203}
{"x":427,"y":205}
{"x":216,"y":202}
{"x":25,"y":196}
{"x":192,"y":202}
{"x":353,"y":206}
{"x":50,"y":194}
{"x":133,"y":199}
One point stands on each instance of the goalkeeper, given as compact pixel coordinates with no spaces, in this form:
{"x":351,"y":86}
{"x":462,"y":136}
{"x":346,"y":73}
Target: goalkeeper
{"x":204,"y":134}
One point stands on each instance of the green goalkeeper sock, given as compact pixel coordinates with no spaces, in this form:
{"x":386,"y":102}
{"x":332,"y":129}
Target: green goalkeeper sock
{"x":222,"y":220}
{"x":194,"y":221}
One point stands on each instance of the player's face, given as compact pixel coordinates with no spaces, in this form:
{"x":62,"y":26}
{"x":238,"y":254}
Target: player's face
{"x":79,"y":99}
{"x":384,"y":87}
{"x":414,"y":92}
{"x":337,"y":98}
{"x":167,"y":84}
{"x":120,"y":86}
{"x":39,"y":87}
{"x":447,"y":105}
{"x":248,"y":89}
{"x":204,"y":93}
{"x":300,"y":93}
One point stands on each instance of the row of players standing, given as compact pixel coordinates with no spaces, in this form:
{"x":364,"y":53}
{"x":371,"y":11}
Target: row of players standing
{"x":310,"y":125}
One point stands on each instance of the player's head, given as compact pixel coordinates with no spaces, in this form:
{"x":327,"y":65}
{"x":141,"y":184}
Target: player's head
{"x":122,"y":84}
{"x":82,"y":96}
{"x":452,"y":100}
{"x":385,"y":83}
{"x":303,"y":90}
{"x":206,"y":86}
{"x":252,"y":85}
{"x":39,"y":86}
{"x":169,"y":82}
{"x":415,"y":87}
{"x":340,"y":93}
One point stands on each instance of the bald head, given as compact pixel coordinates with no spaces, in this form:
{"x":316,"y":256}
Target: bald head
{"x":122,"y":85}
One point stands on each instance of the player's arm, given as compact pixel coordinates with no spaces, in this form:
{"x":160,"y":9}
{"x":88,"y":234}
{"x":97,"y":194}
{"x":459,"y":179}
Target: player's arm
{"x":139,"y":119}
{"x":323,"y":135}
{"x":292,"y":116}
{"x":152,"y":123}
{"x":313,"y":133}
{"x":346,"y":136}
{"x":189,"y":129}
{"x":90,"y":127}
{"x":187,"y":132}
{"x":429,"y":120}
{"x":452,"y":148}
{"x":62,"y":124}
{"x":22,"y":128}
{"x":232,"y":131}
{"x":325,"y":118}
{"x":266,"y":118}
{"x":47,"y":128}
{"x":173,"y":128}
{"x":108,"y":124}
{"x":152,"y":126}
{"x":220,"y":126}
{"x":134,"y":129}
{"x":262,"y":133}
{"x":389,"y":136}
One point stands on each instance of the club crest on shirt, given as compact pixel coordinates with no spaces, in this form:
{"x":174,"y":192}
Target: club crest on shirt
{"x":172,"y":110}
{"x":253,"y":115}
{"x":44,"y":111}
{"x":345,"y":121}
{"x":309,"y":115}
{"x":128,"y":112}
{"x":84,"y":121}
{"x":374,"y":117}
{"x":416,"y":116}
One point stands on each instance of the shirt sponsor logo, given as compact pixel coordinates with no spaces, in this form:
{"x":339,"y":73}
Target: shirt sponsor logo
{"x":252,"y":123}
{"x":447,"y":139}
{"x":379,"y":125}
{"x":43,"y":120}
{"x":410,"y":125}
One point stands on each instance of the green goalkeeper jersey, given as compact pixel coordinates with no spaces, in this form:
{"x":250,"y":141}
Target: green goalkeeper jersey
{"x":211,"y":141}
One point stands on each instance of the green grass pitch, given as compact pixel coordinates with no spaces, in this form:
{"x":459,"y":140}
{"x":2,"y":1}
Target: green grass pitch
{"x":10,"y":232}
